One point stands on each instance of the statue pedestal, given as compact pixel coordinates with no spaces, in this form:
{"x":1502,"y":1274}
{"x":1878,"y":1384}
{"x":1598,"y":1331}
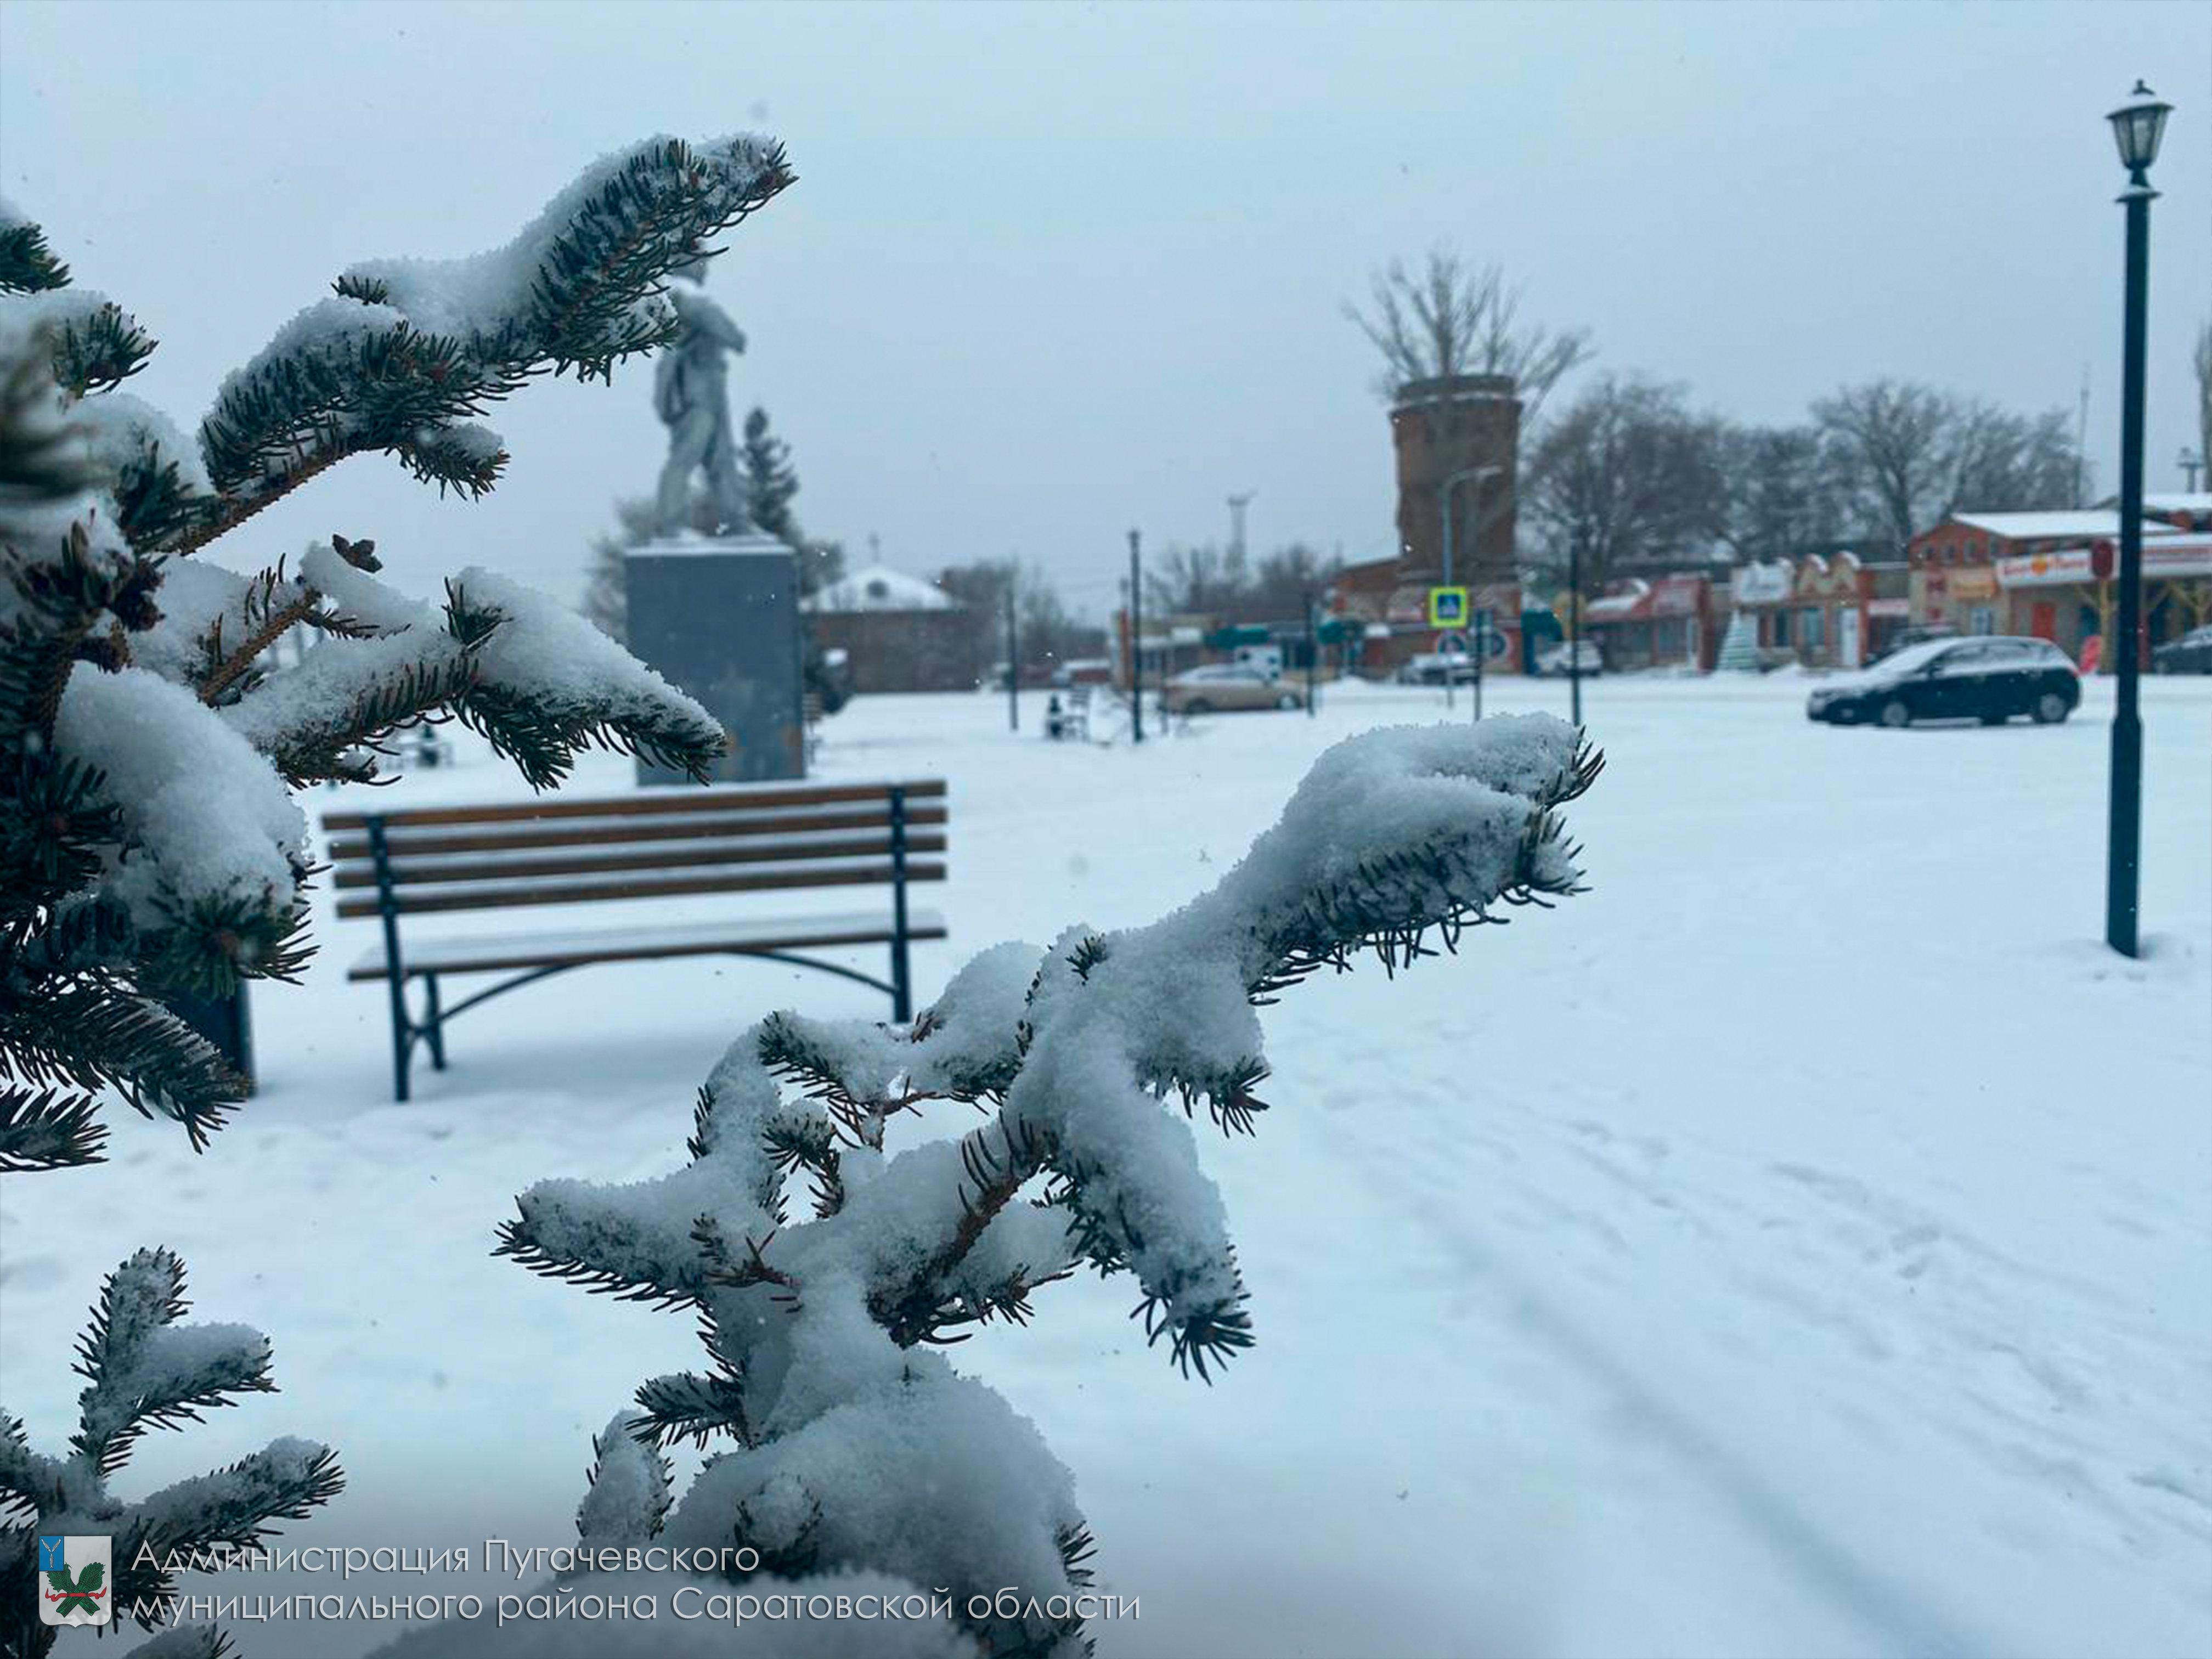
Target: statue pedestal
{"x":718,"y":617}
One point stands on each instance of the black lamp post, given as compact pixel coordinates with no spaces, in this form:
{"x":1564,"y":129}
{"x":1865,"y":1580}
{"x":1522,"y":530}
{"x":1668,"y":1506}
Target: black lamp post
{"x":2137,"y":125}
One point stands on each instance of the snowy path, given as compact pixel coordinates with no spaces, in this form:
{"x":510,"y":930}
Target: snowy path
{"x":1796,"y":1245}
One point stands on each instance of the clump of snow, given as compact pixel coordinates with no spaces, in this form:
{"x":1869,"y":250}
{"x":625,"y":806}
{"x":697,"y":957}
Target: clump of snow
{"x":551,"y":655}
{"x":124,"y":430}
{"x":204,"y":819}
{"x":705,"y":1630}
{"x":23,"y":316}
{"x":480,"y":295}
{"x":630,"y":1487}
{"x":920,"y":1472}
{"x":196,"y":595}
{"x":357,"y":595}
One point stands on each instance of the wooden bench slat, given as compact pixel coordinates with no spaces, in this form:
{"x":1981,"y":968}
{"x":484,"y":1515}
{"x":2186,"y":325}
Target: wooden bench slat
{"x":488,"y":953}
{"x":409,"y":871}
{"x":502,"y":895}
{"x":403,"y":842}
{"x":720,"y":798}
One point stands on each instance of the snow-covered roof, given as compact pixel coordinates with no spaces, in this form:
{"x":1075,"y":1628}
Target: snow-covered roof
{"x":879,"y":587}
{"x":2179,"y":501}
{"x":2042,"y":526}
{"x":1619,"y":606}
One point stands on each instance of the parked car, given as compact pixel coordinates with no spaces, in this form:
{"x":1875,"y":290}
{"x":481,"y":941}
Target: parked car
{"x":1552,"y":659}
{"x":1918,"y":633}
{"x":2190,"y":654}
{"x":1988,"y":678}
{"x":1435,"y":667}
{"x":1218,"y":688}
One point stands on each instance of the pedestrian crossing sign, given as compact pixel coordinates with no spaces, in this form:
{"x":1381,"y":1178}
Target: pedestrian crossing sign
{"x":1447,"y":607}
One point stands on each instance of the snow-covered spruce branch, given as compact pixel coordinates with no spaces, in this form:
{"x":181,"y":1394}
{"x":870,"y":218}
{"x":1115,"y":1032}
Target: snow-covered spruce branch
{"x":149,"y":742}
{"x":143,"y":1369}
{"x":853,"y":1449}
{"x":407,"y":350}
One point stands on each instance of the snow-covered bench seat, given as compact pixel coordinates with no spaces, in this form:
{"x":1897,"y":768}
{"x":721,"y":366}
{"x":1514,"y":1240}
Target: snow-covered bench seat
{"x":656,"y":845}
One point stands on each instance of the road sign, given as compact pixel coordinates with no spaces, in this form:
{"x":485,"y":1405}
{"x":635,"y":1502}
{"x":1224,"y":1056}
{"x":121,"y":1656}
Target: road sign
{"x":1487,"y":639}
{"x":1447,"y":607}
{"x":1451,"y":643}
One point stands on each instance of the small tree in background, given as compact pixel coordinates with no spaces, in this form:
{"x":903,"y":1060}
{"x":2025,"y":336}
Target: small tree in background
{"x":770,"y":480}
{"x":148,"y":742}
{"x":1739,"y":652}
{"x":847,"y":1447}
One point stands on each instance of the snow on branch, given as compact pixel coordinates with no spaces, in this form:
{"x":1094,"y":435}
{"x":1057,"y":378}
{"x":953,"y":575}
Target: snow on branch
{"x":149,"y":735}
{"x":853,"y":1448}
{"x":28,"y":265}
{"x":407,"y":350}
{"x":144,"y":1370}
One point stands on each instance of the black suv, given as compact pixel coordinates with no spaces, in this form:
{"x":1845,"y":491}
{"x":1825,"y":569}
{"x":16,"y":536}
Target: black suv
{"x":1988,"y":678}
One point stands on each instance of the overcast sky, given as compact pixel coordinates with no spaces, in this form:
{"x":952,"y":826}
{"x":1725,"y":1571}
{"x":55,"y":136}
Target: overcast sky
{"x":1052,"y":272}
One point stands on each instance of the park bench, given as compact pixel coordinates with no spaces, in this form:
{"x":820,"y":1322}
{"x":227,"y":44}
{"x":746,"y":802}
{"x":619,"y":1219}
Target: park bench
{"x":656,"y":844}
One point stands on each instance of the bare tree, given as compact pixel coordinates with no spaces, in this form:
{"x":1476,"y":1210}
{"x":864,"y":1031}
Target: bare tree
{"x":2003,"y":462}
{"x":1202,"y":581}
{"x":1906,"y":456}
{"x":1628,"y":475}
{"x":1046,"y":633}
{"x":1892,"y":444}
{"x":1283,"y":581}
{"x":1779,"y":495}
{"x":1450,"y":318}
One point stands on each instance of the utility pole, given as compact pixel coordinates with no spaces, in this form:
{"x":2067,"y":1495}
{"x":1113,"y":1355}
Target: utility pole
{"x":1575,"y":627}
{"x":1313,"y":658}
{"x":1013,"y":664}
{"x":2190,"y":462}
{"x":1136,"y":649}
{"x":1477,"y":474}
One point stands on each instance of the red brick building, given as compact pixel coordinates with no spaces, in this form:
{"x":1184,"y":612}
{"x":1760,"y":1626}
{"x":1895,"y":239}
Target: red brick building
{"x":1831,"y":610}
{"x":2042,"y":574}
{"x":1440,"y":429}
{"x":1666,"y":623}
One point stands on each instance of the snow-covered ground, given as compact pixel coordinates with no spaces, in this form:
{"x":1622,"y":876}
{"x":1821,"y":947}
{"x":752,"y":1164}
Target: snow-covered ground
{"x":1797,"y":1245}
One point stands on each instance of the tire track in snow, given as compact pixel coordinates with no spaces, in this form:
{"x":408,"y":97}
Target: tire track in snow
{"x":1899,"y":1617}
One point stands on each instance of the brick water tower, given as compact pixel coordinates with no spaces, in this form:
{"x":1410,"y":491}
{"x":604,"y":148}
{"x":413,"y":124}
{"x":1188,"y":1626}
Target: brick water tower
{"x":1461,"y":423}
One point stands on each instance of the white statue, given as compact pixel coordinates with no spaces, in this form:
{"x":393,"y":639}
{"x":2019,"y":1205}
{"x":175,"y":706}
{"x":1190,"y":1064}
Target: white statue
{"x":692,"y":394}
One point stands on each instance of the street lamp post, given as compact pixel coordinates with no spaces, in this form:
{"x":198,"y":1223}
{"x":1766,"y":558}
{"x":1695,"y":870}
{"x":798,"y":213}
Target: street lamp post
{"x":1444,"y":510}
{"x":1575,"y":628}
{"x":2137,"y":125}
{"x":1136,"y":644}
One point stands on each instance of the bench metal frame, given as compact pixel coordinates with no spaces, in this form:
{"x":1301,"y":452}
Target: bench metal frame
{"x":430,"y":1029}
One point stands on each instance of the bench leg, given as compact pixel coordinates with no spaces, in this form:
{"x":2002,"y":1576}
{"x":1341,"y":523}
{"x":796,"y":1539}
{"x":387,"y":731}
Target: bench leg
{"x":402,"y":1040}
{"x":433,"y":1027}
{"x":901,"y":984}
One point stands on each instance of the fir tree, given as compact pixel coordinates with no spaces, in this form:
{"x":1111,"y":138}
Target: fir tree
{"x":142,"y":1370}
{"x":149,"y":743}
{"x":1739,"y":652}
{"x":822,"y":1270}
{"x":770,"y":479}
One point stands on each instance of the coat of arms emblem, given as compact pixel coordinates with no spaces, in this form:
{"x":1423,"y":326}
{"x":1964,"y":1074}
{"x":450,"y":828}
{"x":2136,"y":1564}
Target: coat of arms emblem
{"x":76,"y":1575}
